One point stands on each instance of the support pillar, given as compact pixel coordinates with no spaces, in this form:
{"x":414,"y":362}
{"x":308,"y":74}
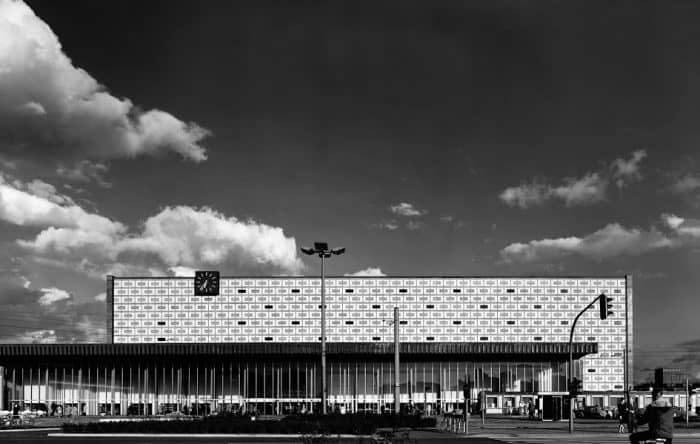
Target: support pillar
{"x":3,"y":397}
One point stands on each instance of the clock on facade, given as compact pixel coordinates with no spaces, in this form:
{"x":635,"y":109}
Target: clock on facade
{"x":206,"y":283}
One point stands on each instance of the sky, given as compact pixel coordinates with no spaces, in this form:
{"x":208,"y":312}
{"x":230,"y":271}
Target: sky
{"x":428,"y":138}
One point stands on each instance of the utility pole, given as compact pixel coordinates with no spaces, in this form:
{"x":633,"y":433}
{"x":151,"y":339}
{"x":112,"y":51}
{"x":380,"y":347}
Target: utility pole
{"x":687,"y":401}
{"x":397,"y":373}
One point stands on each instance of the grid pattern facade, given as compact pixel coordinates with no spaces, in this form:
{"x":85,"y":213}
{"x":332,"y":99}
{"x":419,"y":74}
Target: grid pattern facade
{"x":360,"y":309}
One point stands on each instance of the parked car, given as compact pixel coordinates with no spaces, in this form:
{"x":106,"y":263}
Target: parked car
{"x":597,"y":412}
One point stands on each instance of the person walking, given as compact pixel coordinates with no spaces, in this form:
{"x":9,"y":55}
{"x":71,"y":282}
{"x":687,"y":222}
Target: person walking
{"x":659,"y":416}
{"x":623,"y":411}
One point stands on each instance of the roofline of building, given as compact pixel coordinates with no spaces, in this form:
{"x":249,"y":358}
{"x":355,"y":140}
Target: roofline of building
{"x":393,"y":277}
{"x":527,"y":351}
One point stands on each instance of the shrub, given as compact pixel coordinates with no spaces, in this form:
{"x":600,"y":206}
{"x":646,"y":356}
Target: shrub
{"x":358,"y":424}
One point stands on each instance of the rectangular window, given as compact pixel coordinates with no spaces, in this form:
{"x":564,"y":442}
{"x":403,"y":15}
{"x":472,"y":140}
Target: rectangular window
{"x":402,"y":290}
{"x":161,"y":339}
{"x":241,"y":290}
{"x":429,"y":306}
{"x":349,"y":290}
{"x":349,"y":322}
{"x":538,"y":306}
{"x":376,"y":306}
{"x":457,"y":322}
{"x":161,"y":322}
{"x":295,"y":322}
{"x":510,"y":290}
{"x":484,"y":338}
{"x":267,"y":307}
{"x":295,"y":290}
{"x":456,"y":290}
{"x":510,"y":322}
{"x":483,"y":306}
{"x":564,"y":290}
{"x":403,"y":322}
{"x":538,"y":338}
{"x":241,"y":322}
{"x":268,"y":338}
{"x":376,"y":338}
{"x":430,"y":338}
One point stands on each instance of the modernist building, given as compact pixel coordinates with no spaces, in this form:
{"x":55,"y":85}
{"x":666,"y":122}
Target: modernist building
{"x":256,"y":345}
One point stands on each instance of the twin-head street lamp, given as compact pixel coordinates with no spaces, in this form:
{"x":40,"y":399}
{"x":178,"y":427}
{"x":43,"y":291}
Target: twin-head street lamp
{"x":322,"y":250}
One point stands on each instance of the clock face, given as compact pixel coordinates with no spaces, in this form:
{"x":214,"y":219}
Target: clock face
{"x":206,"y":283}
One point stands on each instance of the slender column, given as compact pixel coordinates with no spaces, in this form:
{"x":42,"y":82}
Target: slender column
{"x":324,"y":387}
{"x":397,"y":379}
{"x":3,"y":383}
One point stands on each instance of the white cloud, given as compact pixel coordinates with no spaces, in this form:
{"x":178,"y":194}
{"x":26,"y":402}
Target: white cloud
{"x":625,"y":171}
{"x":179,"y":236}
{"x":369,"y":271}
{"x":52,"y":295}
{"x":584,"y":191}
{"x":407,"y":209}
{"x":589,"y":189}
{"x":33,"y":108}
{"x":526,"y":195}
{"x":180,"y":271}
{"x":101,"y":297}
{"x":685,"y":184}
{"x":682,"y":226}
{"x":447,"y":219}
{"x":48,"y":209}
{"x":187,"y":236}
{"x":70,"y":113}
{"x":390,"y":225}
{"x":610,"y":241}
{"x":32,"y":337}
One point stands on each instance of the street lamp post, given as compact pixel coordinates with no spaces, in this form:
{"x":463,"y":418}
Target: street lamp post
{"x":322,"y":250}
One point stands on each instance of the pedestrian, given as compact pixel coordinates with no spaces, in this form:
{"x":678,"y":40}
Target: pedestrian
{"x":623,"y":412}
{"x":659,"y":416}
{"x":15,"y":412}
{"x":530,"y":411}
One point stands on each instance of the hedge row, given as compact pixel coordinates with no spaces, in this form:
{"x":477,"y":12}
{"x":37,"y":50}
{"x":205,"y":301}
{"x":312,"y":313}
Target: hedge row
{"x":359,"y":424}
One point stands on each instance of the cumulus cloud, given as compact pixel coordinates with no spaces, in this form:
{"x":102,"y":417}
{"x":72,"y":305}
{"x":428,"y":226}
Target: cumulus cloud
{"x":390,"y":225}
{"x":101,"y":297}
{"x":610,"y":241}
{"x":685,"y":184}
{"x":625,"y":171}
{"x":589,"y":189}
{"x":52,"y":109}
{"x":32,"y":337}
{"x":682,"y":226}
{"x":369,"y":271}
{"x":46,"y":315}
{"x":407,"y":209}
{"x":178,"y":236}
{"x":181,"y":271}
{"x":53,"y":294}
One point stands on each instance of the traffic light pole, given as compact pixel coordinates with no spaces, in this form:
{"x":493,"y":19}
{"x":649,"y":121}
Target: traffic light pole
{"x":571,"y":363}
{"x":324,"y":387}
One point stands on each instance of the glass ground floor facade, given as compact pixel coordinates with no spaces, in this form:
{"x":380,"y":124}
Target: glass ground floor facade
{"x":158,"y":382}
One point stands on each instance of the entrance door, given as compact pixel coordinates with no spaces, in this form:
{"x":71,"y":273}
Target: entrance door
{"x":547,"y":408}
{"x":556,"y":407}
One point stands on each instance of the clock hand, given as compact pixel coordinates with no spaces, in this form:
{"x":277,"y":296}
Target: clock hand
{"x":204,"y":284}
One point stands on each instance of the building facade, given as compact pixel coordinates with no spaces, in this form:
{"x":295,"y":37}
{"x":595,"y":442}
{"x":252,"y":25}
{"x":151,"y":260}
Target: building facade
{"x":256,"y":345}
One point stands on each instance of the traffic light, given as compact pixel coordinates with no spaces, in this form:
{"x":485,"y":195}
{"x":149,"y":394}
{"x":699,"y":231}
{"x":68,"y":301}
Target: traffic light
{"x":606,"y":305}
{"x":575,"y":387}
